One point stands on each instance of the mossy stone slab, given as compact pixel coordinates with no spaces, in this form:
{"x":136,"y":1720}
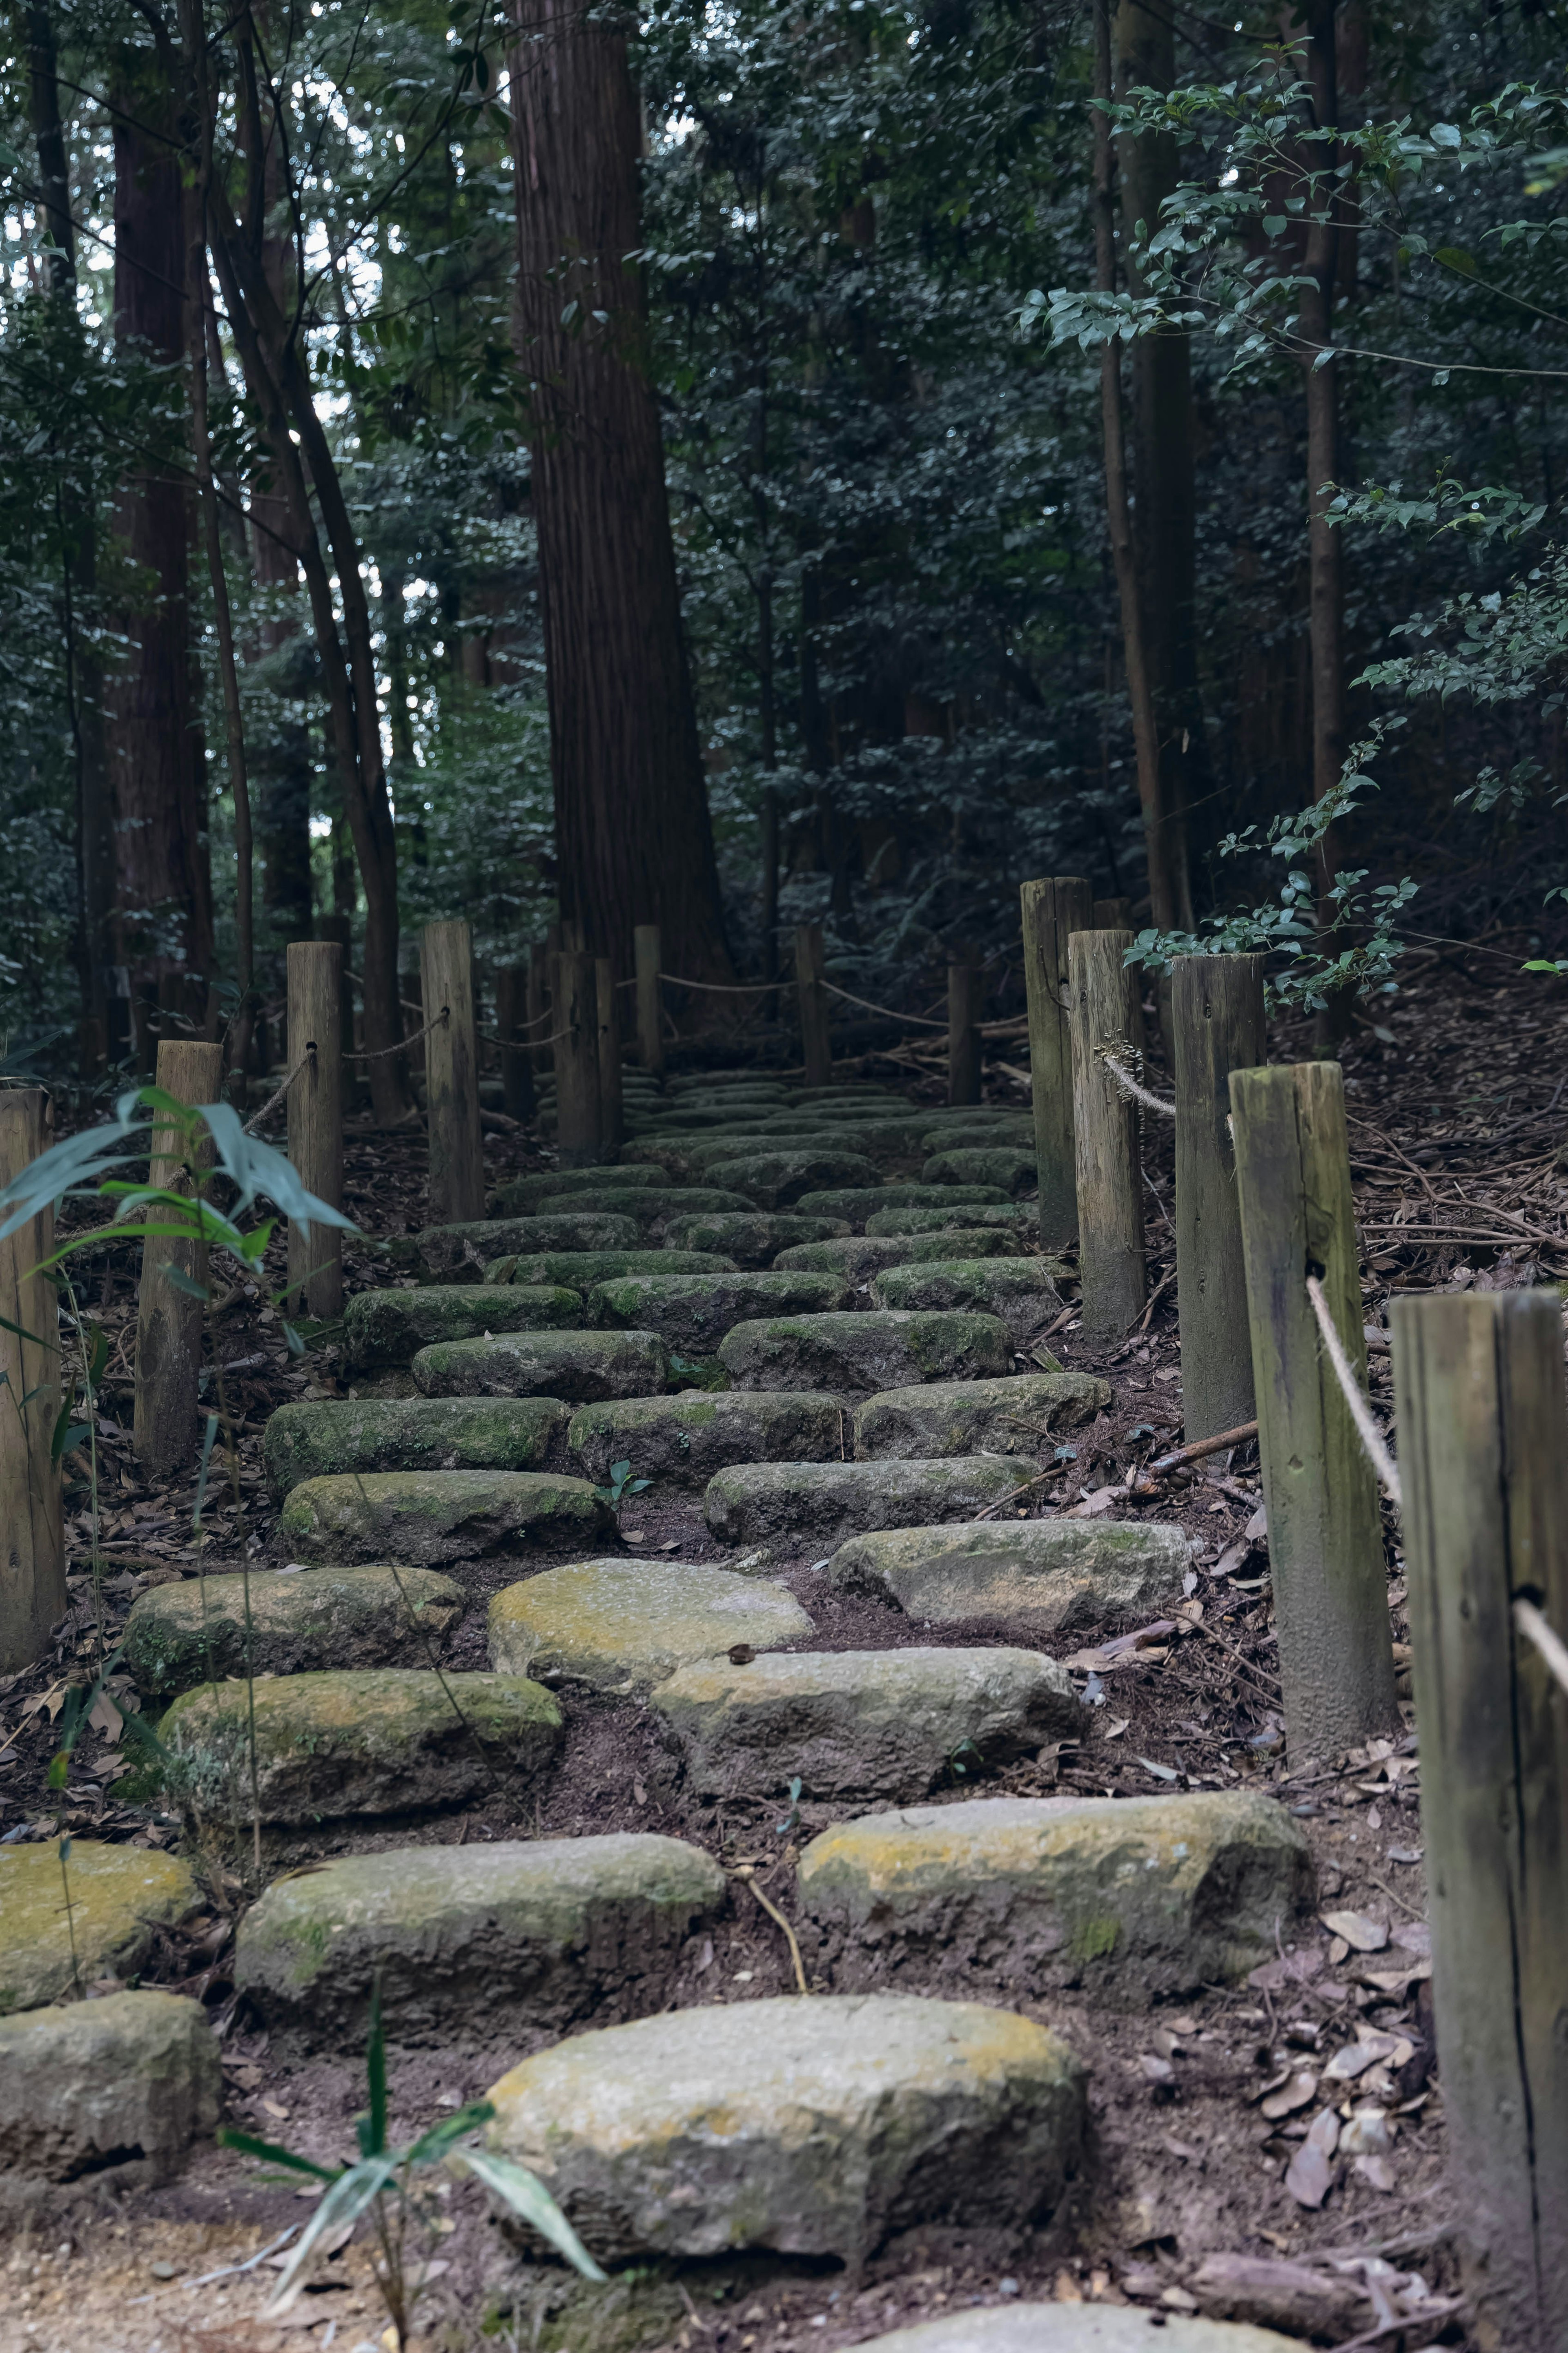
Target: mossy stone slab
{"x":825,"y":1502}
{"x":177,"y":1636}
{"x":520,"y":1196}
{"x":683,"y":1201}
{"x":1130,"y":1898}
{"x":389,"y":1327}
{"x":859,"y":1257}
{"x":970,"y":1216}
{"x":645,"y":1209}
{"x":1021,"y":1291}
{"x":776,"y":1179}
{"x":866,"y":1351}
{"x":951,"y":1131}
{"x":579,"y":1270}
{"x":119,"y":1894}
{"x":372,"y":1741}
{"x":1043,"y":1573}
{"x":813,"y":2128}
{"x":750,"y":1237}
{"x":732,"y":1139}
{"x":116,"y":2088}
{"x":319,"y":1437}
{"x":862,"y":1092}
{"x":1078,"y":2328}
{"x":691,"y":1312}
{"x":666,"y":1152}
{"x":682,"y":1441}
{"x":1010,"y":1170}
{"x":884,"y":1724}
{"x":521,"y":1937}
{"x":581,"y":1366}
{"x":618,"y":1624}
{"x":855,"y":1203}
{"x":431,"y":1516}
{"x":1019,"y":1414}
{"x":457,"y":1254}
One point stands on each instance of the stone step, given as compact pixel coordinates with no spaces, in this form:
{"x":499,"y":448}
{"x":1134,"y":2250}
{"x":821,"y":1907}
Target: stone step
{"x":862,"y":1092}
{"x":1011,"y":1169}
{"x":520,"y":1196}
{"x":1021,"y":1292}
{"x":1042,"y":1575}
{"x":581,"y":1366}
{"x":970,"y":1216}
{"x":884,"y":1724}
{"x":813,"y":2128}
{"x":775,"y":1178}
{"x":581,"y":1270}
{"x":824,"y":1503}
{"x":882,"y":1136}
{"x":118,"y":1895}
{"x":177,"y":1636}
{"x":1016,"y":1415}
{"x":370,"y":1741}
{"x":750,"y":1237}
{"x":115,"y":2088}
{"x":431,"y":1516}
{"x":318,"y":1436}
{"x":621,"y":1625}
{"x":682,"y":1441}
{"x":521,"y":1937}
{"x":731,"y":1139}
{"x":381,"y":1328}
{"x":1130,"y":1898}
{"x":858,"y":1257}
{"x":644,"y":1209}
{"x":1078,"y":2328}
{"x":456,"y":1253}
{"x":865,"y":1351}
{"x":855,"y":1203}
{"x":976,"y":1128}
{"x":691,"y":1312}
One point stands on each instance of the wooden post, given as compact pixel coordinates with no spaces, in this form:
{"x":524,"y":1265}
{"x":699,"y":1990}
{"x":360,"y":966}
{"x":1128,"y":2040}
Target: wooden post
{"x":539,"y":1030}
{"x":575,"y":994}
{"x":1325,"y":1533}
{"x":315,"y":1108}
{"x":338,"y":929}
{"x":816,"y":1042}
{"x":168,"y":1320}
{"x":1216,"y":1011}
{"x":1103,"y":999}
{"x":1112,"y":915}
{"x":650,"y":951}
{"x":32,"y":1535}
{"x":612,"y":1126}
{"x":511,"y":1019}
{"x":411,"y":993}
{"x":1479,"y":1385}
{"x":457,"y":1185}
{"x":1052,"y":911}
{"x":966,"y":995}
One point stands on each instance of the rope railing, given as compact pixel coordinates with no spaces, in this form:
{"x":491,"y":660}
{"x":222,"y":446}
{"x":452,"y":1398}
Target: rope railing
{"x":1372,"y":1438}
{"x":1131,"y":1089}
{"x":1552,"y":1649}
{"x":270,"y":1106}
{"x":401,"y":1045}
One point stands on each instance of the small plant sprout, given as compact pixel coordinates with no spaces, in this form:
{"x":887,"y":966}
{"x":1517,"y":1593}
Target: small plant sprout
{"x":621,"y":1485}
{"x":792,"y":1819}
{"x":385,"y":2183}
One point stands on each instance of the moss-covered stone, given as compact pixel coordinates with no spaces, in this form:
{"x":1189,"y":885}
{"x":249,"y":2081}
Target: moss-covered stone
{"x":645,"y":1209}
{"x":580,"y":1270}
{"x":865,"y":1092}
{"x":809,"y":2127}
{"x":859,"y":1257}
{"x":855,"y":1203}
{"x":517,"y":1938}
{"x":177,"y":1636}
{"x":317,"y":1438}
{"x":520,"y":1196}
{"x":581,"y":1366}
{"x":666,"y":1152}
{"x":775,"y":1178}
{"x":384,"y":1740}
{"x":431,"y":1516}
{"x":866,"y":1351}
{"x":751,"y":1238}
{"x":1131,"y":1898}
{"x":381,"y":1328}
{"x":459,"y":1253}
{"x":732,"y":1139}
{"x":617,"y":1624}
{"x":1042,"y":1573}
{"x":822,"y":1503}
{"x":118,"y":1896}
{"x":886,"y":1723}
{"x":1010,"y":1170}
{"x":976,"y":1128}
{"x":116,"y":2088}
{"x":1019,"y":1414}
{"x":682,"y":1441}
{"x":691,"y":1312}
{"x":971,"y":1217}
{"x":1021,"y":1291}
{"x":1078,"y":2328}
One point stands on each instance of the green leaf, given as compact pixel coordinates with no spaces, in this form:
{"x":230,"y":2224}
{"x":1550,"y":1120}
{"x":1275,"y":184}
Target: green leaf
{"x":185,"y":1284}
{"x":1454,"y":256}
{"x":202,"y":1476}
{"x":376,"y":2068}
{"x":248,"y":2146}
{"x":527,"y":2197}
{"x":343,"y":2205}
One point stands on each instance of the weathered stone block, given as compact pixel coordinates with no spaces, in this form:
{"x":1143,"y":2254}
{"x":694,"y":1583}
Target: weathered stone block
{"x":177,"y":1636}
{"x":1019,"y":1414}
{"x":390,"y":1328}
{"x":691,"y":1312}
{"x":119,"y":1894}
{"x":581,"y":1366}
{"x":431,"y":1516}
{"x":114,"y":2088}
{"x":318,"y":1438}
{"x":867,"y":1351}
{"x":618,"y":1624}
{"x":822,"y":1504}
{"x":1045,"y":1574}
{"x":684,"y":1439}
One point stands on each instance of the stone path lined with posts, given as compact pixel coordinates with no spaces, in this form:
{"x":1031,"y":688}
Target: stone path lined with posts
{"x":819,"y":1311}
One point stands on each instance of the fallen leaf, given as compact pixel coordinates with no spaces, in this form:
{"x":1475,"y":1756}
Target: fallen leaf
{"x":1156,"y":2069}
{"x":1374,"y":2170}
{"x":1310,"y":2176}
{"x":1363,"y":1935}
{"x":1296,"y":2091}
{"x":1176,"y":2299}
{"x":1366,"y":2134}
{"x":1161,"y":1772}
{"x":105,"y":1717}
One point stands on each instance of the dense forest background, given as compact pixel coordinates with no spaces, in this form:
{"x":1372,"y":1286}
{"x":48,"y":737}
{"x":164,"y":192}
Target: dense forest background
{"x":567,"y":465}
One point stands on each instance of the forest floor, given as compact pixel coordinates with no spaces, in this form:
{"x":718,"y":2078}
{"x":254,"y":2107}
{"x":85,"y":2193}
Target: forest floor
{"x":1460,"y":1182}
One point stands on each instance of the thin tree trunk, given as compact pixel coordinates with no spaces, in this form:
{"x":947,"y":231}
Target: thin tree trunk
{"x":634,"y":836}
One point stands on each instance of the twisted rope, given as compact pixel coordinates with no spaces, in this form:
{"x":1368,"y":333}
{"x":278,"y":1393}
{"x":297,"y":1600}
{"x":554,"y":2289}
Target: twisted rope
{"x":1370,"y":1437}
{"x":1130,"y":1088}
{"x":270,"y":1106}
{"x":401,"y":1045}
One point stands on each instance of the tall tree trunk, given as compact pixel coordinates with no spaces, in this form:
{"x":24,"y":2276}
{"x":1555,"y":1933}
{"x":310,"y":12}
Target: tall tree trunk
{"x":1163,"y":517}
{"x":163,"y":913}
{"x":634,"y":836}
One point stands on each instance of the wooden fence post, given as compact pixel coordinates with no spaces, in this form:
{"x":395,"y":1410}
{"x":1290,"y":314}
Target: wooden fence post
{"x":315,"y":1109}
{"x":512,"y":996}
{"x":339,"y":929}
{"x":411,"y":996}
{"x":576,"y":995}
{"x":1216,"y":1013}
{"x":648,"y":952}
{"x":612,"y":1124}
{"x":1478,"y":1384}
{"x":32,"y":1535}
{"x":1052,"y":911}
{"x":965,"y":995}
{"x":1112,"y":915}
{"x":457,"y":1185}
{"x":1103,"y":997}
{"x":1325,"y":1532}
{"x":168,"y":1320}
{"x":817,"y":1045}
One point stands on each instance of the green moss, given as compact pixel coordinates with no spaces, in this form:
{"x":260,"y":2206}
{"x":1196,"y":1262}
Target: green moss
{"x":1095,"y":1940}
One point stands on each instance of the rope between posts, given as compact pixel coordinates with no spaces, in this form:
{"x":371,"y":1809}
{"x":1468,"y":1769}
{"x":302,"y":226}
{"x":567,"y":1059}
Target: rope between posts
{"x":270,"y":1106}
{"x":1370,"y":1437}
{"x":401,"y":1045}
{"x":920,"y":1020}
{"x":1533,"y":1626}
{"x":723,"y":987}
{"x":1130,"y":1088}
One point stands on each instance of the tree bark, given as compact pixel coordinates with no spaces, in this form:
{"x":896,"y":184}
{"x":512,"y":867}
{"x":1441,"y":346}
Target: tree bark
{"x":634,"y":835}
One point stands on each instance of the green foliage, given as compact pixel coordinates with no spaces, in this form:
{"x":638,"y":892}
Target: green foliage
{"x":621,"y":1485}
